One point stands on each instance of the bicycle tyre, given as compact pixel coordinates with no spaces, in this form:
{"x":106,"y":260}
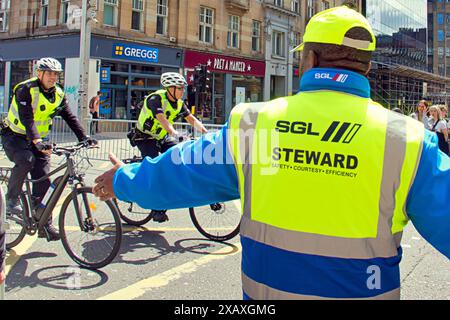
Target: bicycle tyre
{"x":17,"y":239}
{"x":209,"y":235}
{"x":117,"y":227}
{"x":122,"y":208}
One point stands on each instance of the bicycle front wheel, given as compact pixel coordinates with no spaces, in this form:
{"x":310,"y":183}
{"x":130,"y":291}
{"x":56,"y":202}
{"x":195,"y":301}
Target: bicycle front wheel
{"x":218,"y":221}
{"x":14,"y":224}
{"x":90,"y":229}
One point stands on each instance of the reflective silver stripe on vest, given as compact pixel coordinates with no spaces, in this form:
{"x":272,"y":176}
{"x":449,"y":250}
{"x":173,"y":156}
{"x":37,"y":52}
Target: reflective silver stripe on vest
{"x":256,"y":290}
{"x":385,"y":245}
{"x":14,"y":127}
{"x":316,"y":244}
{"x":36,"y":100}
{"x":247,"y":128}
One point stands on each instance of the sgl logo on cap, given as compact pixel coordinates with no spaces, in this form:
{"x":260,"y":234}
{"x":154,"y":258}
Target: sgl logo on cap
{"x":337,"y":77}
{"x":134,"y":52}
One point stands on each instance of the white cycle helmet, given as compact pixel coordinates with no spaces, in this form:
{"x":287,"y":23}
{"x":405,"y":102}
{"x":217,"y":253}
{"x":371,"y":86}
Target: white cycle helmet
{"x":49,"y":64}
{"x":172,"y":79}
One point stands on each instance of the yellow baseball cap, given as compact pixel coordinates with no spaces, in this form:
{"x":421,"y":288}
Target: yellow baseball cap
{"x":331,"y":26}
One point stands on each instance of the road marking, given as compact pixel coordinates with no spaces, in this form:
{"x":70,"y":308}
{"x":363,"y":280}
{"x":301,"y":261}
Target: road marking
{"x":406,"y":246}
{"x":140,"y":229}
{"x":138,"y":289}
{"x":14,"y":255}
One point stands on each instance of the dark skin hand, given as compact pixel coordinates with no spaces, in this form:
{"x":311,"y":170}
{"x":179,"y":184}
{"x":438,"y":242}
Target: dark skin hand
{"x":103,"y":187}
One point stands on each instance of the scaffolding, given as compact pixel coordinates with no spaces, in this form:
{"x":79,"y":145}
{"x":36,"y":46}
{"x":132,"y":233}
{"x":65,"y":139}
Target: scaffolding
{"x":396,"y":86}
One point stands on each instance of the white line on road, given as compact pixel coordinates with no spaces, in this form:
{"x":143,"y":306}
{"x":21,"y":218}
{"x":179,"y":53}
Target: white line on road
{"x":138,"y":289}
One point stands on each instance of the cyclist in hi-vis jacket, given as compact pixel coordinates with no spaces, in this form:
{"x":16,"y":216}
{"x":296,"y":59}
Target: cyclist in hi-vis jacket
{"x":376,"y":169}
{"x":155,"y":133}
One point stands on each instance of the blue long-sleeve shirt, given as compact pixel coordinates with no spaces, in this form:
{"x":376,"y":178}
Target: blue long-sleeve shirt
{"x":177,"y":179}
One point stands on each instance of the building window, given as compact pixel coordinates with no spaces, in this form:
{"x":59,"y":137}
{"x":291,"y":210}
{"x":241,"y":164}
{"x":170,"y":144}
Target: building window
{"x":278,"y":3}
{"x":447,"y":52}
{"x":137,"y":15}
{"x":295,"y":6}
{"x":440,"y":52}
{"x":44,"y":12}
{"x":64,"y":11}
{"x":325,"y":5}
{"x":440,"y":35}
{"x":110,"y":12}
{"x":295,"y":43}
{"x":4,"y":12}
{"x":233,"y":31}
{"x":310,"y":12}
{"x":278,"y":44}
{"x":161,"y":17}
{"x":206,"y":27}
{"x":440,"y":18}
{"x":256,"y":36}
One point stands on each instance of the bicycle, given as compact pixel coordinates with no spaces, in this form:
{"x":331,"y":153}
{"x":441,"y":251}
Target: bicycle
{"x":88,"y":222}
{"x":211,"y":221}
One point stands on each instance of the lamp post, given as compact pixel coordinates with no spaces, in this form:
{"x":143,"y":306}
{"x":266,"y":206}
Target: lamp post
{"x":88,"y":14}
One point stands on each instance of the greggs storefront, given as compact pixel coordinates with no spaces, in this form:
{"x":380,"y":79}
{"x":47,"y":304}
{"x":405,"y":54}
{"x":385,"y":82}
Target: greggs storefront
{"x":234,"y":80}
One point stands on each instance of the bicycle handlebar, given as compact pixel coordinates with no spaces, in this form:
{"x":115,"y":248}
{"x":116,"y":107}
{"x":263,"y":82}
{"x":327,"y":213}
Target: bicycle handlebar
{"x":59,"y":151}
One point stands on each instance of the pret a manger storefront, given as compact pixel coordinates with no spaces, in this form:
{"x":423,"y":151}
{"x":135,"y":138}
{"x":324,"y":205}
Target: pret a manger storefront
{"x":233,"y":80}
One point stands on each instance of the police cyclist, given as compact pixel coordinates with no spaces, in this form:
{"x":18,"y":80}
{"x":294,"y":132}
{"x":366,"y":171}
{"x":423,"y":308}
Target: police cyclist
{"x":155,"y":131}
{"x":35,"y":103}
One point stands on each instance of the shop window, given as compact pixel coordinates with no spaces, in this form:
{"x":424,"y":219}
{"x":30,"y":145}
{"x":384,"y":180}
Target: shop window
{"x":206,"y":27}
{"x":44,"y":13}
{"x":256,"y":36}
{"x":4,"y":15}
{"x":110,"y":11}
{"x":161,"y":17}
{"x":138,"y":68}
{"x":137,"y":15}
{"x":233,"y":31}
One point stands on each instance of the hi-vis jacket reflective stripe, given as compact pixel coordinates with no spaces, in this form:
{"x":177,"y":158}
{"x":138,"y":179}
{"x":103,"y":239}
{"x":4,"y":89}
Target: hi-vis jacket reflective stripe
{"x":42,"y":109}
{"x":147,"y":122}
{"x":346,"y":165}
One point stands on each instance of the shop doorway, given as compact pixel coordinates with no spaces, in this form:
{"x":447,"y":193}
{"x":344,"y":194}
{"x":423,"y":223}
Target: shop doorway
{"x":277,"y":87}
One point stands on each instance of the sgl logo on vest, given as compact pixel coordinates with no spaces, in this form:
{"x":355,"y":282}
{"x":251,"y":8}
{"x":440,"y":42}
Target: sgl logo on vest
{"x":134,"y":52}
{"x":337,"y":132}
{"x":336,"y":77}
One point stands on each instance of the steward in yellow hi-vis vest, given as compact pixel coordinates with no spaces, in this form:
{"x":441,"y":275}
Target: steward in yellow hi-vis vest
{"x":35,"y":103}
{"x":327,"y":179}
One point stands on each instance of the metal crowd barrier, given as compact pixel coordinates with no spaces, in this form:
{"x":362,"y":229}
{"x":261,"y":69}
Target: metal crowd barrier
{"x":111,"y":134}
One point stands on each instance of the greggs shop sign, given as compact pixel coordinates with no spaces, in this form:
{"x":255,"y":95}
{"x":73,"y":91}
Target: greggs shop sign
{"x":225,"y":64}
{"x":135,"y":52}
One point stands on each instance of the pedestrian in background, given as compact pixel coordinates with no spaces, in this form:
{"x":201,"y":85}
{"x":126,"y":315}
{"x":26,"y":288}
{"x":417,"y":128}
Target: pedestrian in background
{"x":421,"y":114}
{"x":94,"y":107}
{"x":439,"y":125}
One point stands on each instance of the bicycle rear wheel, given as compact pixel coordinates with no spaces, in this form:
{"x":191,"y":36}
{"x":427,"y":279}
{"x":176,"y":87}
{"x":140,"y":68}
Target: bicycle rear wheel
{"x":14,"y":226}
{"x":92,"y":239}
{"x":218,"y":221}
{"x":133,"y":214}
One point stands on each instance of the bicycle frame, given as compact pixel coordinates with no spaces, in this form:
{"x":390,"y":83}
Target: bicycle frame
{"x":69,"y":176}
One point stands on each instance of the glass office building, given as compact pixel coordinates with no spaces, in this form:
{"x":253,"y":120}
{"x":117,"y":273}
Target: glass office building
{"x":400,"y":76}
